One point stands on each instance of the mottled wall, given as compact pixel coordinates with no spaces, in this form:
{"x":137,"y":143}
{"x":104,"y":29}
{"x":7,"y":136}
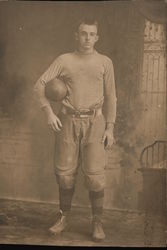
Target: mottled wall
{"x":153,"y":82}
{"x":32,"y":34}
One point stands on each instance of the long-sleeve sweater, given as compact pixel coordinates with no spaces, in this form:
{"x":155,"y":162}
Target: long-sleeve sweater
{"x":89,"y":78}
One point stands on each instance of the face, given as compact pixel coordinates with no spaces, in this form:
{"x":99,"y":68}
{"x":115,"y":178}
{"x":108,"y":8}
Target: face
{"x":87,"y":36}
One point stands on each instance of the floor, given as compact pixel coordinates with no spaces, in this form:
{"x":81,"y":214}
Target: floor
{"x":28,"y":222}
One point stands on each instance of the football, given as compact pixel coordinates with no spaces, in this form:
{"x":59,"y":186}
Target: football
{"x":55,"y":90}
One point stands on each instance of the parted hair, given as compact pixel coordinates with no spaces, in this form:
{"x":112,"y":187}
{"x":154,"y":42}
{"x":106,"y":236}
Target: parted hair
{"x":86,"y":20}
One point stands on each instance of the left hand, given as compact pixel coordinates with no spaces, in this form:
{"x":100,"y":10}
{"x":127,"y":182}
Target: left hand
{"x":108,"y":138}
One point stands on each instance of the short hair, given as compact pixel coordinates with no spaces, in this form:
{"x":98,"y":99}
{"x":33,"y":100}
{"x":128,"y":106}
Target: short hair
{"x":88,"y":21}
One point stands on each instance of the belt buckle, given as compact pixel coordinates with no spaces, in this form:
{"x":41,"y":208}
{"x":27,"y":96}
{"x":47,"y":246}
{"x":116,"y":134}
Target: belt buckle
{"x":82,"y":116}
{"x":79,"y":114}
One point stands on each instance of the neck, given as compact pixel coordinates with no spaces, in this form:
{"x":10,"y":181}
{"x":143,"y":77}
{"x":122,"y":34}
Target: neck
{"x":86,"y":51}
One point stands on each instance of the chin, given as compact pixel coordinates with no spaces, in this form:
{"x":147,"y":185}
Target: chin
{"x":87,"y":47}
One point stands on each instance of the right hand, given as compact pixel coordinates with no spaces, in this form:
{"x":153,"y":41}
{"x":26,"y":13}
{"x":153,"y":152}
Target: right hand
{"x":54,"y":122}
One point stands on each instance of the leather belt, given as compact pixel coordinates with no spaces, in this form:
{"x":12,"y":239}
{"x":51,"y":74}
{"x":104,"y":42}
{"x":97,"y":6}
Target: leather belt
{"x":81,"y":113}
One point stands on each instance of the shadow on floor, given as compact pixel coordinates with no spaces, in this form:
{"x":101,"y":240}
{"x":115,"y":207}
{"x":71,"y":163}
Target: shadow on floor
{"x":28,"y":222}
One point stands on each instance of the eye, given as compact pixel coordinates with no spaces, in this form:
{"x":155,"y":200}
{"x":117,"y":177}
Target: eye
{"x":83,"y":33}
{"x":93,"y":34}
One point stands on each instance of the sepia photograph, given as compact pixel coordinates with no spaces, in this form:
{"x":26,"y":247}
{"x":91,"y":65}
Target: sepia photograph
{"x":83,"y":123}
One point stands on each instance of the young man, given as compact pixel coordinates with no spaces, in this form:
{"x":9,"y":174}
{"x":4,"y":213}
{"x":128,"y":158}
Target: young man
{"x":82,"y":130}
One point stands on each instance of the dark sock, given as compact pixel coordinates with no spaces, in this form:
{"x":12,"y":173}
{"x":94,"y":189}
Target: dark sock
{"x":97,"y":199}
{"x":65,"y":198}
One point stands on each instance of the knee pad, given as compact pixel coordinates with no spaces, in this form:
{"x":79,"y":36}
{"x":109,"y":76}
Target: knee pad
{"x":66,"y":181}
{"x":95,"y":182}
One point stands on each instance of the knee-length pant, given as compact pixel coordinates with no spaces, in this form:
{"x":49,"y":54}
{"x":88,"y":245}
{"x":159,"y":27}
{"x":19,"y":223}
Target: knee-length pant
{"x":80,"y":143}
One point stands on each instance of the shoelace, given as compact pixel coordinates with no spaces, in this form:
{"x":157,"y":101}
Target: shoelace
{"x":60,"y":217}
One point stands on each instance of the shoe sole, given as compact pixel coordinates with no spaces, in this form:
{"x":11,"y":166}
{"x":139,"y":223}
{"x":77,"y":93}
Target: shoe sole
{"x":58,"y":232}
{"x":53,"y":232}
{"x":97,"y":239}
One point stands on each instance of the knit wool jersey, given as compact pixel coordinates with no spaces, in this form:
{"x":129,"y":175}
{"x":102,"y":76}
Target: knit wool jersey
{"x":89,"y":79}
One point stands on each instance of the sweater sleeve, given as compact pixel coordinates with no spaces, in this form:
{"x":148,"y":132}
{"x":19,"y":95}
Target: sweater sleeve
{"x":53,"y":71}
{"x":110,"y":99}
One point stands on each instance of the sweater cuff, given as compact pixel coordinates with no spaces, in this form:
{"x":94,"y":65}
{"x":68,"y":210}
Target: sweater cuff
{"x":110,"y":125}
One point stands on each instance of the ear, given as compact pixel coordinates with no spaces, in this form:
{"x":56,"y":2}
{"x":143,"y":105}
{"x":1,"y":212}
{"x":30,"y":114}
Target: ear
{"x":76,"y":36}
{"x":97,"y":38}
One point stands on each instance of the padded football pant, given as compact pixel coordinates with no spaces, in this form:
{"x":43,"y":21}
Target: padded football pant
{"x":79,"y":143}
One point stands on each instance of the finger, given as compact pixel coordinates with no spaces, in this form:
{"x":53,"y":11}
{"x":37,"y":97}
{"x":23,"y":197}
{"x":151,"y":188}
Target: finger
{"x":113,"y":141}
{"x":55,"y":127}
{"x":108,"y":147}
{"x":50,"y":126}
{"x":59,"y":122}
{"x":103,"y":138}
{"x":109,"y":143}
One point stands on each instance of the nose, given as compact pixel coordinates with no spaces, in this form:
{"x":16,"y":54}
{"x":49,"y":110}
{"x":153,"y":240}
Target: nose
{"x":88,"y":37}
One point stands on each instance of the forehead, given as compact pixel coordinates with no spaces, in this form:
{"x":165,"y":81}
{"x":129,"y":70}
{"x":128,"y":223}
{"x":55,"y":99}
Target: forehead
{"x":87,"y":28}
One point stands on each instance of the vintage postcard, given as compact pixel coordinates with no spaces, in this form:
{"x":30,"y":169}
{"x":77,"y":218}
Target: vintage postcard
{"x":83,"y":125}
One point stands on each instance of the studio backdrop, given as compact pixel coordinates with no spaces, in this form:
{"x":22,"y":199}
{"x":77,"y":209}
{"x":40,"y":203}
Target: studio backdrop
{"x":32,"y":35}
